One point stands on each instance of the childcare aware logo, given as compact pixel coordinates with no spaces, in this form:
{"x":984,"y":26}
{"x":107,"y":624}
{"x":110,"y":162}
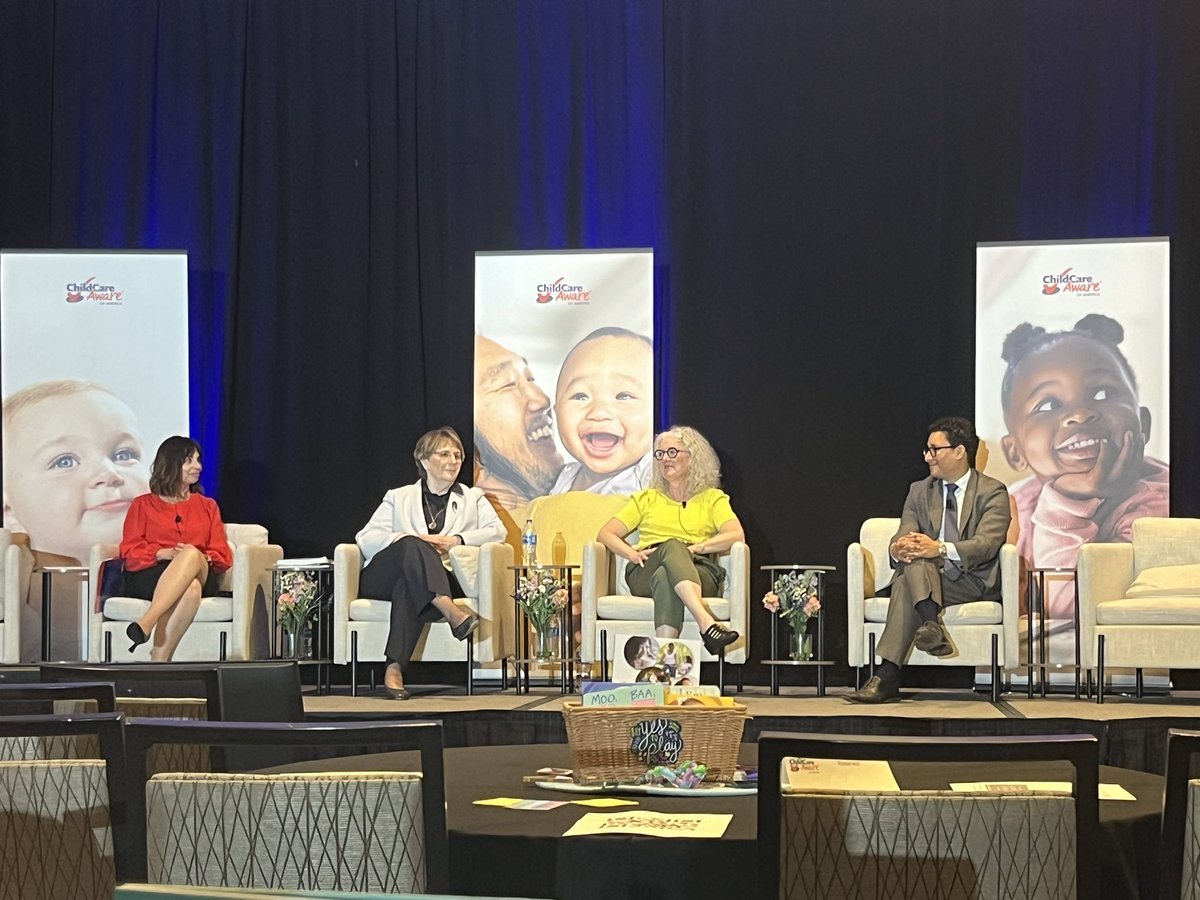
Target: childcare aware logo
{"x":559,"y":291}
{"x":1069,"y":283}
{"x":104,"y":294}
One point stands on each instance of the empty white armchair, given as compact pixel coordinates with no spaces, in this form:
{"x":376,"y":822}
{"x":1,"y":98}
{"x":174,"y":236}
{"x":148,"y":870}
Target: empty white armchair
{"x":1139,"y":602}
{"x":225,"y":627}
{"x":361,"y":625}
{"x":983,"y":632}
{"x":609,"y":608}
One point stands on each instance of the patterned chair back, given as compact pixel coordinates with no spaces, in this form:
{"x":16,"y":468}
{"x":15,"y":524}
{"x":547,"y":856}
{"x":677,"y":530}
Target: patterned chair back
{"x":344,"y":831}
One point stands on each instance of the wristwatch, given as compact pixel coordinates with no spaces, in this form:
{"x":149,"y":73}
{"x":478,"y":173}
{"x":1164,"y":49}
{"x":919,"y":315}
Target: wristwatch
{"x":942,"y":549}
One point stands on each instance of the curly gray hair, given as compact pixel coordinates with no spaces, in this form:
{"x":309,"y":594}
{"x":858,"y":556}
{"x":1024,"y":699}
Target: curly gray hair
{"x":705,"y":470}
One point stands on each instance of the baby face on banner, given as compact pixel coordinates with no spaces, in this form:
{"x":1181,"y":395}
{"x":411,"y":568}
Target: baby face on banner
{"x":604,"y":403}
{"x":73,"y":461}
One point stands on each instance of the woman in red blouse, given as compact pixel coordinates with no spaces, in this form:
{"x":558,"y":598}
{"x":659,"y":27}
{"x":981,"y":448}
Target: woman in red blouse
{"x":174,"y":548}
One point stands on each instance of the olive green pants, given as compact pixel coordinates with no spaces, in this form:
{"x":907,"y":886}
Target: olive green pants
{"x":668,"y":564}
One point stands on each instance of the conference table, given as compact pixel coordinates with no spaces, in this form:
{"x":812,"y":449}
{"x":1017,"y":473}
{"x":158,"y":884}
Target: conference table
{"x":496,"y":851}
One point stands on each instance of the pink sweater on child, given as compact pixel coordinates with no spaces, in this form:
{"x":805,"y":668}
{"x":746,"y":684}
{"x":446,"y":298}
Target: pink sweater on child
{"x":1054,"y":526}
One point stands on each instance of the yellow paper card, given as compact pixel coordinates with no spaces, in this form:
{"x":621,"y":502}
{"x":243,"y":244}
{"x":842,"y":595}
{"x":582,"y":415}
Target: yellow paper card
{"x":605,"y":801}
{"x":498,"y":801}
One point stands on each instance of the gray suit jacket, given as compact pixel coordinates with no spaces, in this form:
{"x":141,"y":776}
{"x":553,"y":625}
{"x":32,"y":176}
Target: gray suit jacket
{"x":983,"y":519}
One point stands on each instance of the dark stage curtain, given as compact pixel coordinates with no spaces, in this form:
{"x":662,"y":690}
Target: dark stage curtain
{"x":812,"y":176}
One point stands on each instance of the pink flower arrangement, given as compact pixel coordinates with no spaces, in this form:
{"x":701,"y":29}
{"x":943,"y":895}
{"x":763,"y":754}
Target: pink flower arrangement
{"x":794,"y":596}
{"x":297,"y":600}
{"x":542,"y":596}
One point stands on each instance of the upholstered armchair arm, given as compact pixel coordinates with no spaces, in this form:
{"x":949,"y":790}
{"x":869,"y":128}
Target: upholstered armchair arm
{"x":99,"y":553}
{"x":18,"y":573}
{"x":495,"y":601}
{"x":252,"y":596}
{"x":737,"y":591}
{"x":1105,"y":572}
{"x":1010,"y":602}
{"x":596,"y":581}
{"x":856,"y":607}
{"x":347,"y":564}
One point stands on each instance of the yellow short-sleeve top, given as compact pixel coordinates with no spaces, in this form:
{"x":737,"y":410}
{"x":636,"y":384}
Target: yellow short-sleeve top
{"x":658,"y":518}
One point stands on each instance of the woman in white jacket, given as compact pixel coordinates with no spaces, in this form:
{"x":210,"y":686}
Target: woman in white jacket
{"x":406,"y":548}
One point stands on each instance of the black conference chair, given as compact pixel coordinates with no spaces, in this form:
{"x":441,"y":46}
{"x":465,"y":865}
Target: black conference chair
{"x":1180,"y":861}
{"x":65,"y":812}
{"x":358,"y":826}
{"x":831,"y":844}
{"x":39,"y":699}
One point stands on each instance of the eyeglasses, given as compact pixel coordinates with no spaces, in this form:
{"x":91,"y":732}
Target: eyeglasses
{"x":447,"y":454}
{"x":669,"y":453}
{"x":933,"y":451}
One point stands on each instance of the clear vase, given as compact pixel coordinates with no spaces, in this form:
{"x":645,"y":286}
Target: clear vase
{"x":800,"y":642}
{"x":298,"y":644}
{"x":545,"y":643}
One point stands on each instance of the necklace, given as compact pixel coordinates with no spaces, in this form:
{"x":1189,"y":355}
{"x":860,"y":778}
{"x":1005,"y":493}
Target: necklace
{"x":433,"y":518}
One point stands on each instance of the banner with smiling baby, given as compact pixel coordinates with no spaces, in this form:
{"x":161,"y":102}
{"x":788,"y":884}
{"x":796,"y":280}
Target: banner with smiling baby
{"x":564,"y":372}
{"x":94,"y":375}
{"x":1072,"y":392}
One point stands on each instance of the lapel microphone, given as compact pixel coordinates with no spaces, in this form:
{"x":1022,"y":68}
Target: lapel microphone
{"x":178,"y":518}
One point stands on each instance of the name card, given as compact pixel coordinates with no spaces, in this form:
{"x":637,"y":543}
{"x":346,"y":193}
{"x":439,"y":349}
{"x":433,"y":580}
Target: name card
{"x":600,"y":693}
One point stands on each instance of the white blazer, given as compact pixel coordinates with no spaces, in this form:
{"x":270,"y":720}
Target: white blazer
{"x":468,"y":515}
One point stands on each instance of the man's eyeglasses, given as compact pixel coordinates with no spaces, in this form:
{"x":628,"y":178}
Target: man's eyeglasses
{"x":669,"y":453}
{"x":447,"y":455}
{"x":933,"y":451}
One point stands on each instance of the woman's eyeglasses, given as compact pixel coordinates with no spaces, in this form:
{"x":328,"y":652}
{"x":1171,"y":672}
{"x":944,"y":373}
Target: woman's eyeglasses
{"x":445,"y":455}
{"x":669,"y":453}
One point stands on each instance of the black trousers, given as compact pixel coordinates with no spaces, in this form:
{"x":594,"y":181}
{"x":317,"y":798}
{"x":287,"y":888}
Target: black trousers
{"x":408,"y":573}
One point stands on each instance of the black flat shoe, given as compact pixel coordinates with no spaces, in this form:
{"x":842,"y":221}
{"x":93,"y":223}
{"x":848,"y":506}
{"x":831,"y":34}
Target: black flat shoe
{"x":717,"y":637}
{"x":135,"y":634}
{"x":397,"y":693}
{"x":466,"y":627}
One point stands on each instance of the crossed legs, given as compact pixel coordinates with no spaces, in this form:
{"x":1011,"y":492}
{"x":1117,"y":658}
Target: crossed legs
{"x":673,"y":579}
{"x":176,"y":598}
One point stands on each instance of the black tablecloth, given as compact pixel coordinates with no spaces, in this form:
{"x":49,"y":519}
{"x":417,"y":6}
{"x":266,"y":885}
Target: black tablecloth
{"x":496,"y":851}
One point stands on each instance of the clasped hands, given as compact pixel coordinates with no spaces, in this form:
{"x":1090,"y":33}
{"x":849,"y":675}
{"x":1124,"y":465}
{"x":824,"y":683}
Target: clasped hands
{"x":166,"y":553}
{"x":914,"y":545}
{"x":640,"y":556}
{"x":441,"y":542}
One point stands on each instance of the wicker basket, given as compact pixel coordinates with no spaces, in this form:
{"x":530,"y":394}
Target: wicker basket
{"x":614,"y":745}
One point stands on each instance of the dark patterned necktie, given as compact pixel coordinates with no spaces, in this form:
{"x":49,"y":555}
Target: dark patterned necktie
{"x":950,"y":533}
{"x":950,"y":525}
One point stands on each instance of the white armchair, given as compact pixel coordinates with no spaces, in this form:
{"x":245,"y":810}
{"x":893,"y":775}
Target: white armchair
{"x":225,"y":627}
{"x":1139,"y":602}
{"x":609,"y":607}
{"x":360,"y":624}
{"x":983,"y":632}
{"x":21,"y":619}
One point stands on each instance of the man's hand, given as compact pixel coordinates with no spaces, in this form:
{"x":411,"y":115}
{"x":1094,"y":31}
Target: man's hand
{"x":1110,"y":468}
{"x":914,"y":545}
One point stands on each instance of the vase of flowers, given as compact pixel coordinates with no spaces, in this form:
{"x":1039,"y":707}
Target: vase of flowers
{"x":543,"y":596}
{"x":793,"y":597}
{"x":296,"y":605}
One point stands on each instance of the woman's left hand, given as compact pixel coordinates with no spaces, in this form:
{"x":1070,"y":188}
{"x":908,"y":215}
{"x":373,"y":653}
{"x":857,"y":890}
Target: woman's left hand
{"x":441,"y":542}
{"x":697,"y":549}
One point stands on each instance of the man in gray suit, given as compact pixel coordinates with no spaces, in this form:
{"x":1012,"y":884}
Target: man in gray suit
{"x":947,"y":551}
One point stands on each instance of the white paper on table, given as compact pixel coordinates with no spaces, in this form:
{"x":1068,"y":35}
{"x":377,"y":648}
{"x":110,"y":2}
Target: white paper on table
{"x":1107,"y":791}
{"x":814,"y":776}
{"x":652,"y":824}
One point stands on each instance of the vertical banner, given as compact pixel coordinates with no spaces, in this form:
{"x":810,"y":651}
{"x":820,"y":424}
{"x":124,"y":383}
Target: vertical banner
{"x":564,"y":372}
{"x":1072,"y":395}
{"x":94,"y":373}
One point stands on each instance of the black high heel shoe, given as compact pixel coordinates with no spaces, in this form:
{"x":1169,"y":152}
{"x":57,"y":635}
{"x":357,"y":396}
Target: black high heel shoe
{"x":135,"y":634}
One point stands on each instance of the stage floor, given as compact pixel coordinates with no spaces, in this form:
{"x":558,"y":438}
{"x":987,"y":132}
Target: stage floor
{"x":1132,"y":732}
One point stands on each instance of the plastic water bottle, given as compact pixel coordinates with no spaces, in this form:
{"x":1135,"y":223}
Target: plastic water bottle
{"x":529,"y":545}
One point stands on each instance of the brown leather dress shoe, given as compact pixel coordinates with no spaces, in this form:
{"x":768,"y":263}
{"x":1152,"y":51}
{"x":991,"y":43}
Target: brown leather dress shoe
{"x":875,"y":691}
{"x":931,"y":638}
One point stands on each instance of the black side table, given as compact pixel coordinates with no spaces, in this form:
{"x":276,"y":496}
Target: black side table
{"x":1035,"y":599}
{"x":819,"y":659}
{"x":321,"y":573}
{"x":566,"y":630}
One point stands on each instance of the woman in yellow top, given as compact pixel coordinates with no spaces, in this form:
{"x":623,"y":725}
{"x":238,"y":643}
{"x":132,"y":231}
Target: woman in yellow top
{"x":681,"y":519}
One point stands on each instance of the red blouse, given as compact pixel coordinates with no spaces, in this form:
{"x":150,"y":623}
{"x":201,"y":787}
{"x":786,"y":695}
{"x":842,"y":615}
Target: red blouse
{"x":152,"y":524}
